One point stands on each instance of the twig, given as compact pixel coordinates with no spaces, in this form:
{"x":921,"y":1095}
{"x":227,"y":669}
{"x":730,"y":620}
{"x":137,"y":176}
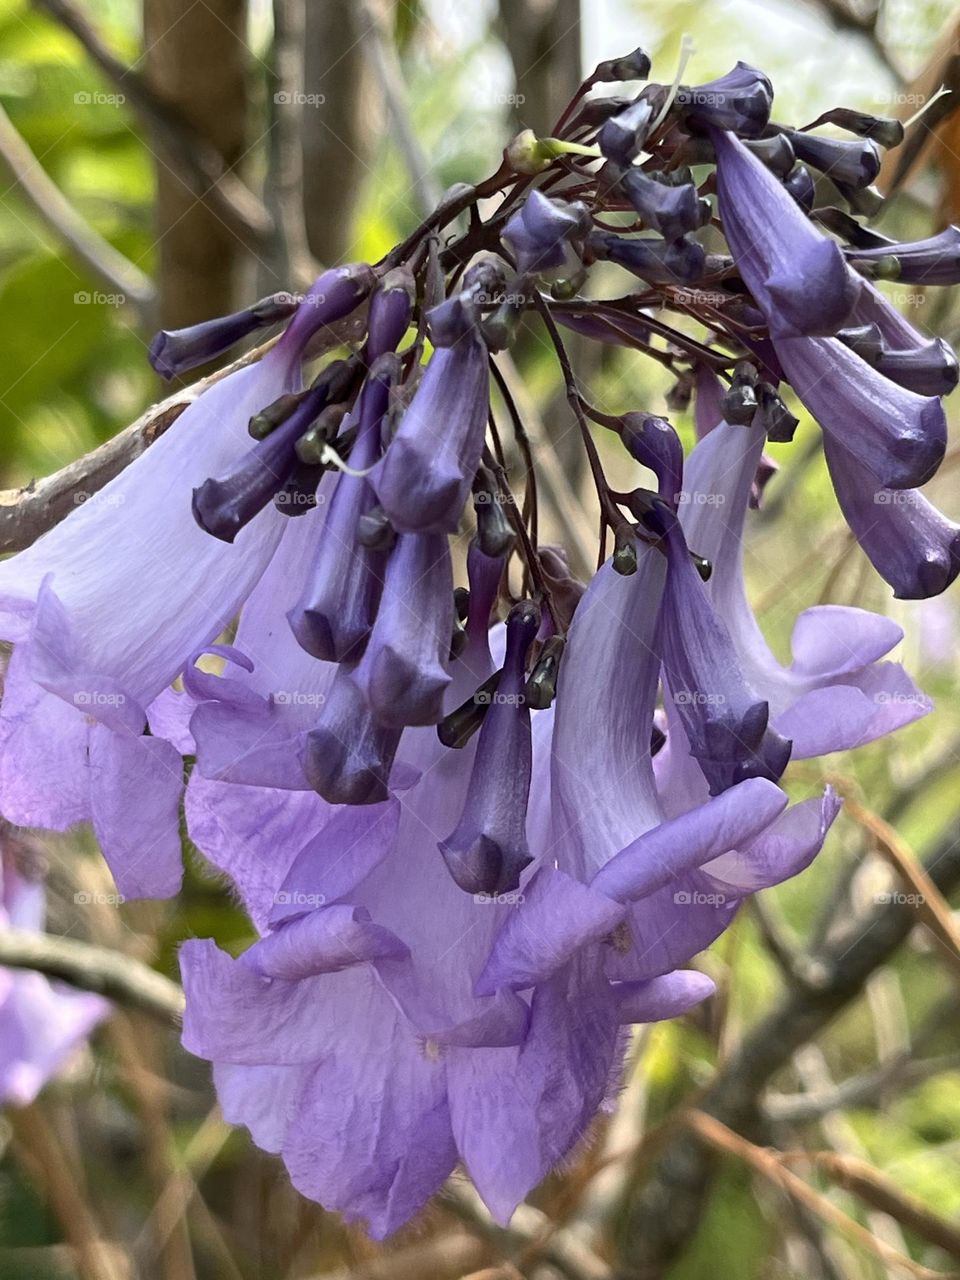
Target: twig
{"x":865,"y":941}
{"x":199,"y":164}
{"x":529,"y":1232}
{"x":108,"y":265}
{"x":445,"y":1258}
{"x":768,"y":1164}
{"x":875,"y":1188}
{"x":95,"y":1258}
{"x":107,"y":973}
{"x":28,"y":512}
{"x":866,"y":1090}
{"x":386,"y":69}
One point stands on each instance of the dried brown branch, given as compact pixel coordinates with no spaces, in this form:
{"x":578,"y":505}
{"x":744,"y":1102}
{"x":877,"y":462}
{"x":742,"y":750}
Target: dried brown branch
{"x":769,"y":1164}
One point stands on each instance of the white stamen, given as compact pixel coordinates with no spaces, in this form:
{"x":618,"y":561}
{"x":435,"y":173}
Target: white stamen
{"x":926,"y":106}
{"x":329,"y":457}
{"x":687,"y":50}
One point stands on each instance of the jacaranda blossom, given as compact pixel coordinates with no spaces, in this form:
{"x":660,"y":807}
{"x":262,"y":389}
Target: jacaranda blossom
{"x":105,"y":610}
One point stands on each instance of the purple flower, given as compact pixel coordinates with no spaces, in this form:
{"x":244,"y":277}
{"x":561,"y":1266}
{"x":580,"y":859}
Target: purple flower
{"x":667,"y":205}
{"x":935,"y":260}
{"x":404,"y":671}
{"x":797,"y":276}
{"x":739,"y":101}
{"x":487,"y":850}
{"x":680,"y":261}
{"x":41,"y":1023}
{"x":910,"y":543}
{"x":726,"y":723}
{"x":837,"y":693}
{"x":424,"y":479}
{"x":853,"y":162}
{"x":175,"y":351}
{"x":105,"y":610}
{"x":889,"y":343}
{"x":540,"y":231}
{"x":372,"y":1046}
{"x":898,"y":435}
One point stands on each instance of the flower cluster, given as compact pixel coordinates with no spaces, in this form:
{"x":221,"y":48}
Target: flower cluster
{"x":481,"y":829}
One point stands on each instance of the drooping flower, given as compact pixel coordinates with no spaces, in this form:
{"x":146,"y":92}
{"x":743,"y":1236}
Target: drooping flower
{"x":540,"y":231}
{"x":911,"y":544}
{"x":424,"y":478}
{"x":105,"y":610}
{"x":796,"y":275}
{"x":898,"y":435}
{"x":837,"y":693}
{"x":41,"y":1022}
{"x":739,"y":101}
{"x":932,"y":261}
{"x":176,"y":351}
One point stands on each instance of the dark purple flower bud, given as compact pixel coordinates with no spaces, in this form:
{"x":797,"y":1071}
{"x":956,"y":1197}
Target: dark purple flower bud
{"x":487,"y":850}
{"x":853,"y":163}
{"x":425,"y":477}
{"x":739,"y":101}
{"x":935,"y":260}
{"x":929,"y":367}
{"x":725,"y":723}
{"x":332,"y":296}
{"x":223,"y":507}
{"x":671,"y":208}
{"x":796,"y":275}
{"x":802,"y":187}
{"x":624,"y":330}
{"x":348,"y":757}
{"x":334,"y":614}
{"x":775,"y":152}
{"x":678,"y":262}
{"x":404,"y":669}
{"x":633,"y":66}
{"x":653,"y":442}
{"x":174,"y":351}
{"x":771,"y":411}
{"x":897,"y":434}
{"x":538,"y":233}
{"x":909,"y":542}
{"x":882,"y":129}
{"x":623,"y":135}
{"x":390,"y":310}
{"x":773,"y":417}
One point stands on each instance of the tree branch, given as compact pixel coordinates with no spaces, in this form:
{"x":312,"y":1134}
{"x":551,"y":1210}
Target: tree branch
{"x":664,"y":1212}
{"x":108,"y":973}
{"x":198,"y":162}
{"x":108,"y":265}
